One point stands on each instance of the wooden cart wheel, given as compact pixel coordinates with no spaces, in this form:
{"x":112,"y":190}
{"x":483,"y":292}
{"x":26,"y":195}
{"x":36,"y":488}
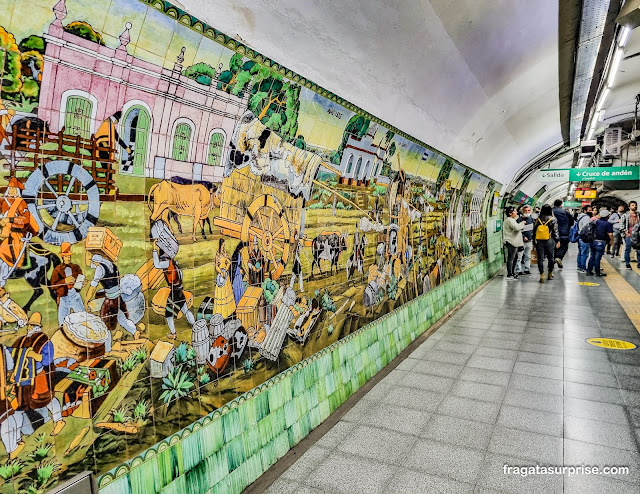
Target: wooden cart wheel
{"x":62,"y":215}
{"x":265,"y":220}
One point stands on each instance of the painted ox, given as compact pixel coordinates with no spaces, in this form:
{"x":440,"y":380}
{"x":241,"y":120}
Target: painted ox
{"x":167,"y":199}
{"x":328,"y":246}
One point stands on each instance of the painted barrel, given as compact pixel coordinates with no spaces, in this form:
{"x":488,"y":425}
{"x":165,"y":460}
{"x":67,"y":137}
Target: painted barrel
{"x":216,"y":326}
{"x":201,"y":341}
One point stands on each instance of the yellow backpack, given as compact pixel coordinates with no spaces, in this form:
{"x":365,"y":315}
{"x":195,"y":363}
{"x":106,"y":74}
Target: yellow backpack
{"x":542,"y":232}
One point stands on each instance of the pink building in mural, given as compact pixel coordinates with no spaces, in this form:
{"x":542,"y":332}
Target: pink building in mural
{"x":173,"y":125}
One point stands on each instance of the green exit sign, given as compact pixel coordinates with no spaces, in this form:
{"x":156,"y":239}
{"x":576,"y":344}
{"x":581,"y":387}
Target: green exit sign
{"x":572,"y":204}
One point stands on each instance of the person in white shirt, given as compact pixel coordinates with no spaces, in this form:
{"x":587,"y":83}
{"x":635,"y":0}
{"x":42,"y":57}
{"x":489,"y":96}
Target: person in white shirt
{"x":523,"y":264}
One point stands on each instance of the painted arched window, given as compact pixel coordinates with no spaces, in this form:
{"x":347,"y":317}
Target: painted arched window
{"x":358,"y":166}
{"x":216,"y":147}
{"x":367,"y":169}
{"x":375,"y":172}
{"x":350,"y":164}
{"x":77,"y":117}
{"x":181,"y":142}
{"x":136,"y":134}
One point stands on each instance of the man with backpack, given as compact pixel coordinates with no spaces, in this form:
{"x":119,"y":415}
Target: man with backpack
{"x":602,"y":231}
{"x":584,"y":246}
{"x":546,"y":238}
{"x":627,"y":223}
{"x":565,"y":221}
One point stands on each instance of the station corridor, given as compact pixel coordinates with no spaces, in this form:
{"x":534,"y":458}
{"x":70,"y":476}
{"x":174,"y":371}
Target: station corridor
{"x":507,"y":380}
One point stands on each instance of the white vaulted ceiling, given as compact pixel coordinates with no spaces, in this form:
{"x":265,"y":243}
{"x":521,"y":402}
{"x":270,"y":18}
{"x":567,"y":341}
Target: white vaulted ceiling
{"x":477,"y":80}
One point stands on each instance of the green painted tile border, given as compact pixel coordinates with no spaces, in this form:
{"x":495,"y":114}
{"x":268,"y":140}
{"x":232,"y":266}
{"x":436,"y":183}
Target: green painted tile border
{"x":231,"y":447}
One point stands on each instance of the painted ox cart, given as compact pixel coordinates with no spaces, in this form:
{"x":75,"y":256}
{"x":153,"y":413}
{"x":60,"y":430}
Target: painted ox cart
{"x":66,"y":175}
{"x":267,"y":181}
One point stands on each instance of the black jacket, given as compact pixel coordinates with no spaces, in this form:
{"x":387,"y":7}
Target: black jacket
{"x":565,"y":221}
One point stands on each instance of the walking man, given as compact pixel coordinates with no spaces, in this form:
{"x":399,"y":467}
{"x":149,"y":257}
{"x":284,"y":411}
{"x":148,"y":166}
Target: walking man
{"x":113,"y":309}
{"x":523,"y":266}
{"x":177,"y":301}
{"x":565,"y":222}
{"x":583,"y":247}
{"x":603,"y":232}
{"x":628,"y":221}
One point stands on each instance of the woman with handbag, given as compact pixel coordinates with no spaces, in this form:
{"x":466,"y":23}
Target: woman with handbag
{"x":512,"y":233}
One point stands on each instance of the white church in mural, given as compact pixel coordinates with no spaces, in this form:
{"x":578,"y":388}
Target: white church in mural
{"x":362,"y":159}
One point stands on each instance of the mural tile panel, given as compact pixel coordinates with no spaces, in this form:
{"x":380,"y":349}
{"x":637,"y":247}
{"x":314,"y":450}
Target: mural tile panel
{"x":183,"y":223}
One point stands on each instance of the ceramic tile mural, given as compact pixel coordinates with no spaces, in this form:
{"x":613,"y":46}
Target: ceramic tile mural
{"x":182,"y":220}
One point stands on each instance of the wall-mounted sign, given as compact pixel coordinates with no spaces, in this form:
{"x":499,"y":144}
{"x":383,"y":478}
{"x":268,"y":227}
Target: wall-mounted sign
{"x":586,"y":193}
{"x":522,"y":198}
{"x":496,"y":203}
{"x":572,"y":204}
{"x":596,"y":174}
{"x":604,"y":173}
{"x":552,"y":175}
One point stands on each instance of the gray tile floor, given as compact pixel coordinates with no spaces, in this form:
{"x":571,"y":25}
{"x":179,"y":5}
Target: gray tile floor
{"x":508,"y":379}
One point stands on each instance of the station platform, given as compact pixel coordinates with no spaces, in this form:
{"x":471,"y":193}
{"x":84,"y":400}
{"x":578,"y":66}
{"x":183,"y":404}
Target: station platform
{"x":507,"y":380}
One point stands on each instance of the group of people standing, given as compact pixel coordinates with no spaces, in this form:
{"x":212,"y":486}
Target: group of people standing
{"x":548,"y":230}
{"x":610,"y":231}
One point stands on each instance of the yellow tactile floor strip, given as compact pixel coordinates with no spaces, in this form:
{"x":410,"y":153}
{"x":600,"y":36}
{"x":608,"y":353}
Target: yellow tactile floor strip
{"x":628,"y":296}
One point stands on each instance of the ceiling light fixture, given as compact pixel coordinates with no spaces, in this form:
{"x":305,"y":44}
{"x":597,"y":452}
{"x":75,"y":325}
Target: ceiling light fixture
{"x":617,"y":57}
{"x":602,"y":99}
{"x":624,"y":36}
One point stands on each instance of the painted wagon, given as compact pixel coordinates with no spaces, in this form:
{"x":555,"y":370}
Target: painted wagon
{"x":66,"y":175}
{"x":263,"y":198}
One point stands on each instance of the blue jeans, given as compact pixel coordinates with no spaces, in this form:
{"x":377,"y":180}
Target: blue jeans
{"x":524,"y":258}
{"x":627,"y":252}
{"x":597,"y":250}
{"x":583,"y":254}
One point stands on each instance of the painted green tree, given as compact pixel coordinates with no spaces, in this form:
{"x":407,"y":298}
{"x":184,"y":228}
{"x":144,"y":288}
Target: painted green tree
{"x":200,"y":72}
{"x":84,"y":30}
{"x":392,"y":150}
{"x":443,"y":174}
{"x":33,"y":43}
{"x":356,"y":127}
{"x":386,"y":161}
{"x":274,"y":100}
{"x":32,"y":64}
{"x":12,"y":64}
